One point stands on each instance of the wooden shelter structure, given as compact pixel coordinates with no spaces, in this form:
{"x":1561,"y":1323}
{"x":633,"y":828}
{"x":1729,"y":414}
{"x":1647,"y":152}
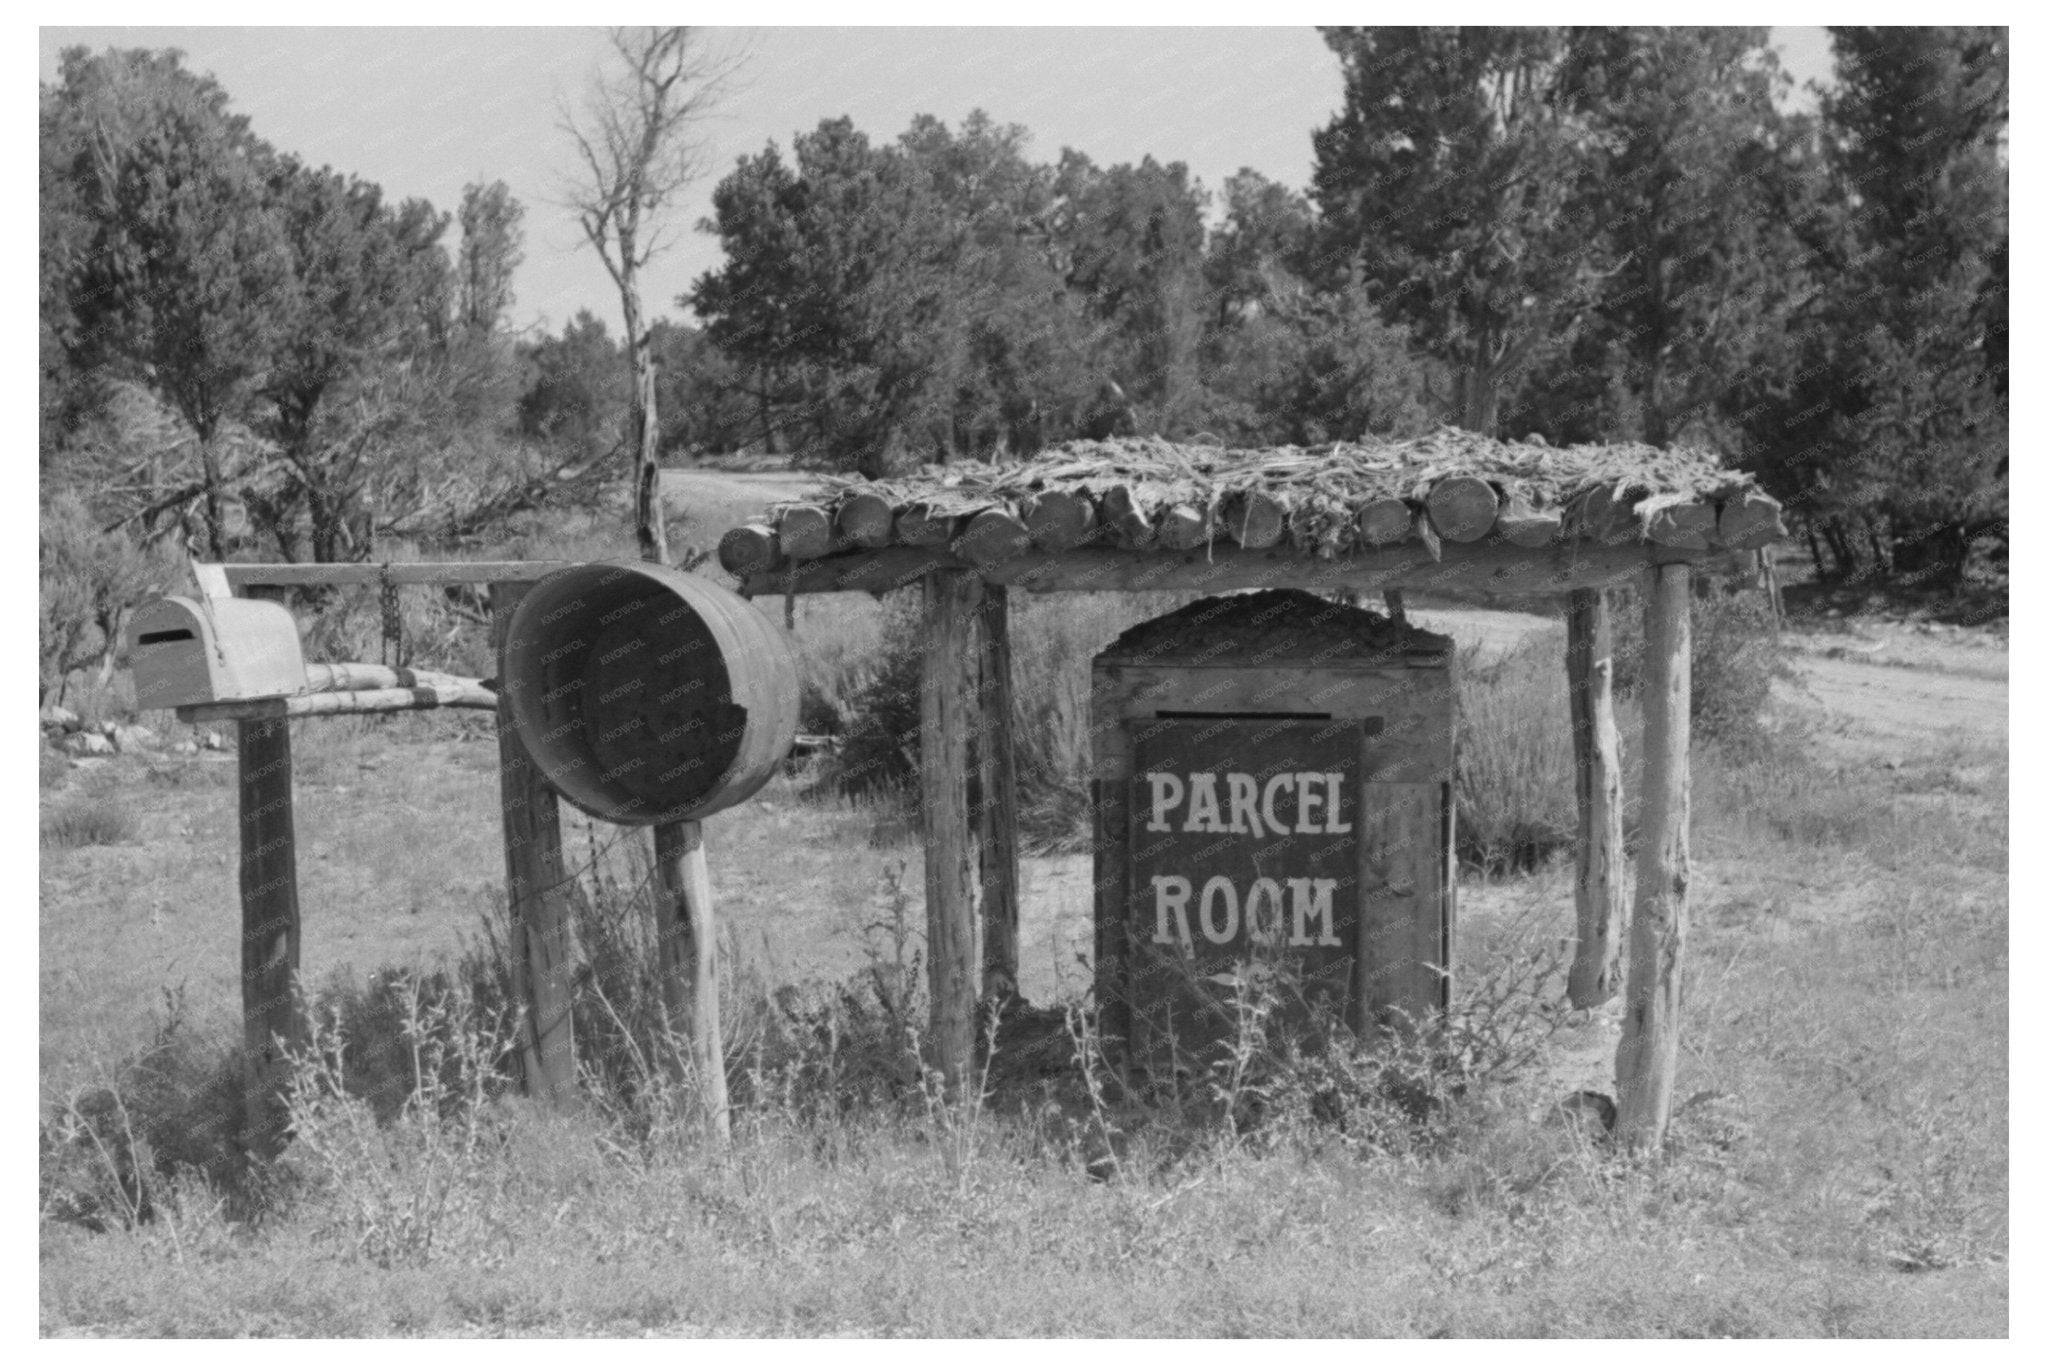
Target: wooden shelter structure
{"x":1450,"y":513}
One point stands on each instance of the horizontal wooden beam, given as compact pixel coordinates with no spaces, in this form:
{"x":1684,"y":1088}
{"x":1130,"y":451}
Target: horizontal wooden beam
{"x":422,"y":571}
{"x":464,"y":697}
{"x":1489,"y":568}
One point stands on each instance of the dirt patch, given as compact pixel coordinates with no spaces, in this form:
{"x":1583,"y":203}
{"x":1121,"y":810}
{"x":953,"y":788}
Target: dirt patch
{"x":1875,"y":710}
{"x":725,"y":499}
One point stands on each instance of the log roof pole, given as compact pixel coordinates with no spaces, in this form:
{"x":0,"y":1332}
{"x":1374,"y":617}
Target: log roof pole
{"x":1646,"y":1061}
{"x":947,"y":703}
{"x":998,"y":764}
{"x":1601,"y":881}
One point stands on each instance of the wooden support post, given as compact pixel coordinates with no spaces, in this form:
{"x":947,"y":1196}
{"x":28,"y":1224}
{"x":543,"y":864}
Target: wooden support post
{"x":1647,"y":1059}
{"x":687,"y":945}
{"x":948,"y":697}
{"x":271,"y":1019}
{"x":999,"y":884}
{"x":537,"y":885}
{"x":1601,"y":885}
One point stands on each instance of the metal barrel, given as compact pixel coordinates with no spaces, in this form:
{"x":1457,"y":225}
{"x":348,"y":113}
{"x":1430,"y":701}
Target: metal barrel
{"x":646,"y":694}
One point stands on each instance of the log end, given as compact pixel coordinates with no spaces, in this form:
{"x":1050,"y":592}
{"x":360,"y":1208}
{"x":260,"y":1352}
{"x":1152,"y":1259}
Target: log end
{"x":747,"y":549}
{"x":1463,"y":508}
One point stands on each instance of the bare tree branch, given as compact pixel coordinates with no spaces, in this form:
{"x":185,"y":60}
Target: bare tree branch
{"x":636,"y":154}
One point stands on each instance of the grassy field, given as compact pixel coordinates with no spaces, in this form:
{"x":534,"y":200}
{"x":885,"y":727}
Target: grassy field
{"x":1838,"y":1165}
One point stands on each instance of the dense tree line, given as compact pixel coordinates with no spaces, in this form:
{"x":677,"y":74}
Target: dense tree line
{"x":1582,"y":233}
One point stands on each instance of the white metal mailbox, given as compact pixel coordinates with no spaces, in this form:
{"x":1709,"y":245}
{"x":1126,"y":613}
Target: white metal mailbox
{"x":187,"y":653}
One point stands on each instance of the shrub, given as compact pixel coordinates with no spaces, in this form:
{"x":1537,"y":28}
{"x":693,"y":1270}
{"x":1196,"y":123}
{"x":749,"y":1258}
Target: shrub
{"x":1514,"y":770}
{"x":84,"y":820}
{"x":89,"y":580}
{"x":1053,"y":643}
{"x":406,"y":1184}
{"x":112,"y":1154}
{"x":1737,"y":655}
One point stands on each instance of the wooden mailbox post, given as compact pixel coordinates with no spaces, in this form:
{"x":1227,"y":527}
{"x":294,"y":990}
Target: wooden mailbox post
{"x":692,"y":705}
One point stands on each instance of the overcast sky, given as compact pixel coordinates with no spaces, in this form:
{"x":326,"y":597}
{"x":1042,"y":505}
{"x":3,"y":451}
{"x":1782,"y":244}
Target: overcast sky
{"x":424,"y":111}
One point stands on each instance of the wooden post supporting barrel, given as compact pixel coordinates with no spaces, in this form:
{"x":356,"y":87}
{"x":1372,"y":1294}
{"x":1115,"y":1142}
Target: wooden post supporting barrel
{"x":686,"y":937}
{"x":536,"y":883}
{"x":1647,"y":1060}
{"x":650,"y":696}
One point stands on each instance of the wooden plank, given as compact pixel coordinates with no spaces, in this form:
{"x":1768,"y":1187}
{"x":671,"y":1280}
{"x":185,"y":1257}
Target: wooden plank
{"x":439,"y":572}
{"x":1385,"y":521}
{"x":1600,"y":884}
{"x":1605,"y":515}
{"x":212,"y":579}
{"x":748,"y":549}
{"x":537,"y":884}
{"x":1059,"y":520}
{"x":1462,"y":508}
{"x":865,"y":520}
{"x":461,"y":695}
{"x":1646,"y":1062}
{"x":1108,"y":784}
{"x":1677,"y":520}
{"x":359,"y":677}
{"x":993,"y":536}
{"x":1254,"y":519}
{"x":1184,"y":527}
{"x":1121,"y":512}
{"x":1000,"y":887}
{"x":1749,"y":521}
{"x":804,"y":533}
{"x":1522,"y":523}
{"x":920,"y":528}
{"x":686,"y":948}
{"x":271,"y":1018}
{"x":947,"y":706}
{"x":1489,"y":567}
{"x":1402,"y":975}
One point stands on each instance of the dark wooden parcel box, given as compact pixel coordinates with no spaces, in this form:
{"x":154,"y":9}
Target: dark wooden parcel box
{"x":1273,"y":808}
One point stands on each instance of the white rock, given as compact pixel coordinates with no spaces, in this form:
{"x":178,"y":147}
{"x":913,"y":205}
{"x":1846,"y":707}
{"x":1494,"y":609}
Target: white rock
{"x":87,"y":744}
{"x":134,"y":738}
{"x":212,"y":739}
{"x":185,"y":748}
{"x":59,"y":718}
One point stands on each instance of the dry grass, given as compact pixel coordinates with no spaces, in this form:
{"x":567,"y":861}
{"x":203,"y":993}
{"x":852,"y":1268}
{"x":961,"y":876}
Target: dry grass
{"x":1838,"y":1168}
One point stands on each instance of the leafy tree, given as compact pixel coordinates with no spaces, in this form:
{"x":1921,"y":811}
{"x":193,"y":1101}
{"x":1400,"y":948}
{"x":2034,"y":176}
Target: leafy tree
{"x":839,"y":283}
{"x":1130,"y":239}
{"x":1693,"y":200}
{"x":578,"y":388}
{"x":1019,"y":369}
{"x":1888,"y":429}
{"x":493,"y":245}
{"x":176,"y":268}
{"x":1261,"y":250}
{"x":704,"y":403}
{"x":1453,"y":183}
{"x":1920,"y":118}
{"x":369,"y":288}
